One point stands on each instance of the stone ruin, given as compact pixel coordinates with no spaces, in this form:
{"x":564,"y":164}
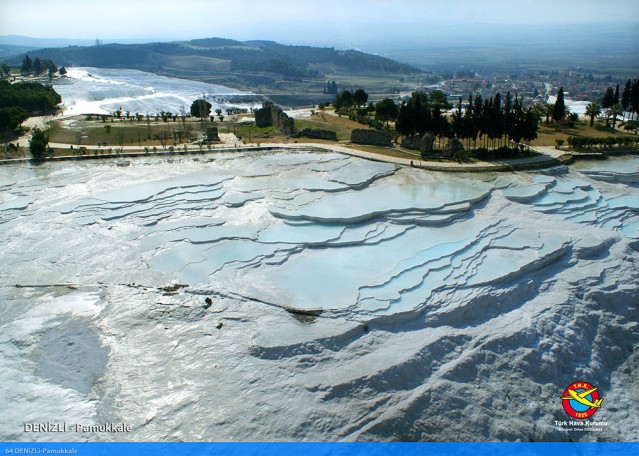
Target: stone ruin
{"x":453,"y":148}
{"x":211,"y":134}
{"x":371,"y":137}
{"x":269,"y":114}
{"x":423,"y":143}
{"x":312,"y":133}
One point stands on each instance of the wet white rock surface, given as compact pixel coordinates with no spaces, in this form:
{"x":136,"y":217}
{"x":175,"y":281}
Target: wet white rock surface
{"x":351,"y":300}
{"x":88,"y":90}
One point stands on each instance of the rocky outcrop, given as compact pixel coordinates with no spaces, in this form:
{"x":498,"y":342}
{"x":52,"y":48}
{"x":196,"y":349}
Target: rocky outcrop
{"x":328,"y":135}
{"x":453,"y":147}
{"x":371,"y":137}
{"x":273,"y":115}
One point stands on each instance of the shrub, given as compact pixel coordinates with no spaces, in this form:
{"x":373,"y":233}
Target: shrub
{"x":607,"y":142}
{"x":39,"y":143}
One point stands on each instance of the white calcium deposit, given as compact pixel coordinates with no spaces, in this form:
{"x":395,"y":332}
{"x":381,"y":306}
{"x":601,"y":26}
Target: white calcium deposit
{"x":87,"y":90}
{"x":351,"y":300}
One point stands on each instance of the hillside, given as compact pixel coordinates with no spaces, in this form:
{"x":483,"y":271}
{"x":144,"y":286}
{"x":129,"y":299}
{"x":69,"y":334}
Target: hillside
{"x":291,"y":75}
{"x":265,"y":57}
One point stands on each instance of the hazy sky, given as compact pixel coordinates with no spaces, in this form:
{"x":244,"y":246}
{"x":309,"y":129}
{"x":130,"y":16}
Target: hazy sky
{"x":283,"y":19}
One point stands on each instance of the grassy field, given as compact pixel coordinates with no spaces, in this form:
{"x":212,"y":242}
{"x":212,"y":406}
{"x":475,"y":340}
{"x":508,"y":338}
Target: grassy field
{"x":159,"y":135}
{"x":81,"y":132}
{"x":548,"y":134}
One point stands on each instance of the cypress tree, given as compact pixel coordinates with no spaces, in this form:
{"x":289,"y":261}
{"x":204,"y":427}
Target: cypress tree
{"x":496,"y":119}
{"x":405,"y":123}
{"x":458,"y":121}
{"x":608,"y":99}
{"x":560,"y":107}
{"x":469,"y":120}
{"x":37,"y":66}
{"x":508,"y":115}
{"x":625,"y":98}
{"x":516,"y":125}
{"x":530,"y":126}
{"x":484,"y":122}
{"x":27,"y":65}
{"x":478,"y":118}
{"x":634,"y":97}
{"x":615,"y":98}
{"x":423,"y":118}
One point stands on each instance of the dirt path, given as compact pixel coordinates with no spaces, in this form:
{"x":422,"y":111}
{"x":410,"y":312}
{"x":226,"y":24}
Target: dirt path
{"x":39,"y":122}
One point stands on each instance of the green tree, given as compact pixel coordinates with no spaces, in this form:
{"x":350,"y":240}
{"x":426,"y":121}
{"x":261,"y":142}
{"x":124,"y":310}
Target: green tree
{"x":615,"y":98}
{"x":39,"y":143}
{"x":613,"y":111}
{"x":625,"y":98}
{"x":531,"y":125}
{"x":441,"y":127}
{"x":414,"y":115}
{"x":495,"y":119}
{"x":201,"y":108}
{"x":439,"y":99}
{"x":6,"y":69}
{"x":457,"y":127}
{"x":344,"y":100}
{"x":27,"y":65}
{"x":62,"y":71}
{"x":360,"y":97}
{"x":33,"y":97}
{"x":559,"y":111}
{"x":608,"y":98}
{"x":634,"y":97}
{"x":386,"y":110}
{"x":11,"y":117}
{"x":331,"y":88}
{"x":593,"y":110}
{"x":37,"y":66}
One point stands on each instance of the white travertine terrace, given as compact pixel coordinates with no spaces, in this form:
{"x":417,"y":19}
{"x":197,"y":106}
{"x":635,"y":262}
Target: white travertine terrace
{"x":358,"y":300}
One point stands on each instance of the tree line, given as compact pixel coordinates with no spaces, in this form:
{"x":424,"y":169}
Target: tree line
{"x":24,"y":99}
{"x":37,"y":66}
{"x":493,"y":121}
{"x":612,"y":104}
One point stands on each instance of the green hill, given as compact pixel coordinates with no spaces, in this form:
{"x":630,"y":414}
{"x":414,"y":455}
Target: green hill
{"x":290,"y":75}
{"x":262,"y":57}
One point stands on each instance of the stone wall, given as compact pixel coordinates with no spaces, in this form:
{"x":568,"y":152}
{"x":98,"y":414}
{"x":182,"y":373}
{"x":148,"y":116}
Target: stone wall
{"x":371,"y":137}
{"x":269,"y":114}
{"x":318,"y":134}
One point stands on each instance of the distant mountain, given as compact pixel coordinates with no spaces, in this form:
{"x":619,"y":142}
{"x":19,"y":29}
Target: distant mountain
{"x":39,"y":43}
{"x":218,"y":54}
{"x":7,"y":50}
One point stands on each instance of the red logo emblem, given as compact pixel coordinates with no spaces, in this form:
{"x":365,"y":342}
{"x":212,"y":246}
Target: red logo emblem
{"x":581,"y":400}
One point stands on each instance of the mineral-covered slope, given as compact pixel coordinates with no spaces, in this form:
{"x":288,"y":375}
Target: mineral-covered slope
{"x":351,"y":300}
